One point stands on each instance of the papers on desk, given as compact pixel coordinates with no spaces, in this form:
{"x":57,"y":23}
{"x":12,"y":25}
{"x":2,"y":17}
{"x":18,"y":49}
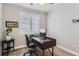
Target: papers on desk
{"x":40,"y":39}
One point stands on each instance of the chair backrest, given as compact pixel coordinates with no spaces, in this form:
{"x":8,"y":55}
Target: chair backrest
{"x":27,"y":40}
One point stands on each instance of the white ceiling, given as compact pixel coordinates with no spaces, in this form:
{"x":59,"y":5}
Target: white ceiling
{"x":36,"y":6}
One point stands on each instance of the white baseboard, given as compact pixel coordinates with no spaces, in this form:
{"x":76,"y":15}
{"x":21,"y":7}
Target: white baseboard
{"x":18,"y":47}
{"x":68,"y":50}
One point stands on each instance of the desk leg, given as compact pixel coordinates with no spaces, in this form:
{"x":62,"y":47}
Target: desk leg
{"x":43,"y":52}
{"x":13,"y":45}
{"x":52,"y":51}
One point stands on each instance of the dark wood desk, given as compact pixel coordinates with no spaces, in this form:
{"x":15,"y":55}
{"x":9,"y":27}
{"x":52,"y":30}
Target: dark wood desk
{"x":45,"y":43}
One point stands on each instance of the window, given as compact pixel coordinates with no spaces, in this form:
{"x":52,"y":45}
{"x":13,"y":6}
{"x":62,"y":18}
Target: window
{"x":25,"y":23}
{"x":29,"y":23}
{"x":35,"y":24}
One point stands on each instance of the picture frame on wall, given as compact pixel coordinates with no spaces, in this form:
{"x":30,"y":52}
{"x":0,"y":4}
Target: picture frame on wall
{"x":13,"y":24}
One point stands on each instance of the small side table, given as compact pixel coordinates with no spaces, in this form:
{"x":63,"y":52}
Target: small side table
{"x":8,"y":43}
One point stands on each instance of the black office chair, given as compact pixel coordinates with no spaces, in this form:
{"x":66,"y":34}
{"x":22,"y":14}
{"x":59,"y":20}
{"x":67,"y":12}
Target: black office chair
{"x":31,"y":46}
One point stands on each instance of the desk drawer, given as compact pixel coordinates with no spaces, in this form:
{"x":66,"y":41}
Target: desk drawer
{"x":49,"y":44}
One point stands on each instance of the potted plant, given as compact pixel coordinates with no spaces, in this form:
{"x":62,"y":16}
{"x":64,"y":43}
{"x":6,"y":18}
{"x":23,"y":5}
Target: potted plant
{"x":8,"y":31}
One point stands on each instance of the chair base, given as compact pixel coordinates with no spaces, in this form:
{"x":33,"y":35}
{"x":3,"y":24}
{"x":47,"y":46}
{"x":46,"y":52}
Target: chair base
{"x":31,"y":53}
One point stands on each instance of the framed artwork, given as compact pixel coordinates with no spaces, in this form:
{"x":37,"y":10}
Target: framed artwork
{"x":12,"y":24}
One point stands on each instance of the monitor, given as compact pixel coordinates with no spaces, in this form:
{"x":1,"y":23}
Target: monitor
{"x":42,"y":33}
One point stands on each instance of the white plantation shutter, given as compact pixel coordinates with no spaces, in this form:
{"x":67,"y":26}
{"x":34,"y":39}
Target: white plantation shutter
{"x":35,"y":24}
{"x":25,"y":23}
{"x":29,"y":23}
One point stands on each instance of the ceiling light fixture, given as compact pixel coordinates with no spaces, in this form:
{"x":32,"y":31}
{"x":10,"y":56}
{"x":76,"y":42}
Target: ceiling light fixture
{"x":41,"y":3}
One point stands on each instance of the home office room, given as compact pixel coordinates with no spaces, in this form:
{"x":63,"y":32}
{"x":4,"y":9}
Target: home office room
{"x":39,"y":29}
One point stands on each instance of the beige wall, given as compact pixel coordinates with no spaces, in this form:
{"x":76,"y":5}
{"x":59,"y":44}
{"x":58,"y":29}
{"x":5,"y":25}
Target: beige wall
{"x":12,"y":12}
{"x":0,"y":27}
{"x":0,"y":10}
{"x":61,"y":27}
